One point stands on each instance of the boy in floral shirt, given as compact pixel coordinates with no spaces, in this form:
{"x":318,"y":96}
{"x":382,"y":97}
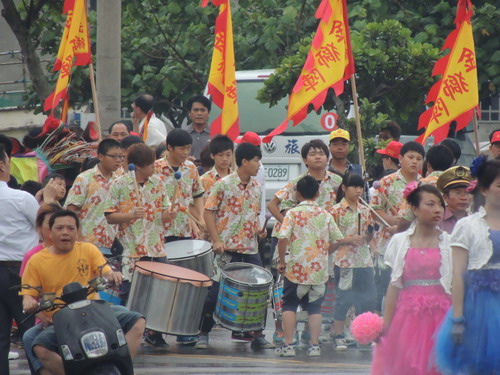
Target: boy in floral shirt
{"x":232,"y":219}
{"x":87,"y":196}
{"x":188,"y":189}
{"x":221,"y":151}
{"x":140,"y":215}
{"x":309,"y":232}
{"x":392,"y":186}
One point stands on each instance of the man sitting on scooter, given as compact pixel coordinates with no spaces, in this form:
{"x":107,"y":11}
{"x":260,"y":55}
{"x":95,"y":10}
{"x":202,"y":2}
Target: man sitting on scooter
{"x":52,"y":268}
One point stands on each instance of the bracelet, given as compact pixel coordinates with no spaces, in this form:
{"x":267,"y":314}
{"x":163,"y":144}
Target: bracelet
{"x":458,"y":320}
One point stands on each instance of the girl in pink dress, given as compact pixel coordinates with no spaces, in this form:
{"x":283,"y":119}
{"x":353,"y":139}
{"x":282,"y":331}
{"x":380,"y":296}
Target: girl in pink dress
{"x":418,"y":296}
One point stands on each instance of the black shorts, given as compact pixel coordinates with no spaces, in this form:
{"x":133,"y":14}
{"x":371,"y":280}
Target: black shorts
{"x":291,"y":299}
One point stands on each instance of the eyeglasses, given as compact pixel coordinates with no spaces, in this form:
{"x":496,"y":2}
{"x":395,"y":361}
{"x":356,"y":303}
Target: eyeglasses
{"x":116,"y":157}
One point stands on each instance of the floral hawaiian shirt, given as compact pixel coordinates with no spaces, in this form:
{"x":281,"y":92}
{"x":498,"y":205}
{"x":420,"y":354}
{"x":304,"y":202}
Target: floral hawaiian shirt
{"x":141,"y":237}
{"x":392,"y":186}
{"x":185,"y":189}
{"x":310,"y":231}
{"x":237,"y":208}
{"x":327,"y":194}
{"x":209,"y":179}
{"x":88,"y":193}
{"x":350,"y":256}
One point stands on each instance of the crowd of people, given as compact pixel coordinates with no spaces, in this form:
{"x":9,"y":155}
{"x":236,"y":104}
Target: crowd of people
{"x":421,"y":246}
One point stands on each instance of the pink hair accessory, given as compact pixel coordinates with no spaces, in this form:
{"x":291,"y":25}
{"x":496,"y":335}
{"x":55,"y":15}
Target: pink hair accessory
{"x":410,"y":188}
{"x":367,"y":327}
{"x":472,"y":186}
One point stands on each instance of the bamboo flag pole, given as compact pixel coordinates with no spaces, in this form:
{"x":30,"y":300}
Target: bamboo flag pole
{"x":94,"y":98}
{"x":358,"y":124}
{"x":476,"y":131}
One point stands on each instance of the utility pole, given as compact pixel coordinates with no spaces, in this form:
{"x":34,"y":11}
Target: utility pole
{"x":108,"y":60}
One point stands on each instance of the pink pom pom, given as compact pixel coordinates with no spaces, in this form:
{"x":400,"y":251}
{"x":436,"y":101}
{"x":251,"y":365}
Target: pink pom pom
{"x":367,"y":327}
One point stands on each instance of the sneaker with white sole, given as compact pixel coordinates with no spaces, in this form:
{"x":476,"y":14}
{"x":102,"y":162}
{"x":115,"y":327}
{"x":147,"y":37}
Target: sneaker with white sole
{"x":286,"y":351}
{"x":13,"y":355}
{"x":314,"y":351}
{"x":202,"y":342}
{"x":339,"y":343}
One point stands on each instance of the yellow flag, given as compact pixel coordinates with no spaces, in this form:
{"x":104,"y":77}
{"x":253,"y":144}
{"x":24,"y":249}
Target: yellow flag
{"x":73,"y":45}
{"x":329,"y":63}
{"x":455,"y":95}
{"x":222,"y":77}
{"x":81,"y":44}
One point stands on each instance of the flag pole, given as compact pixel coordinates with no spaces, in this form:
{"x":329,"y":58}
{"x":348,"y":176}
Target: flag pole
{"x":358,"y":124}
{"x":94,"y":98}
{"x":476,"y":131}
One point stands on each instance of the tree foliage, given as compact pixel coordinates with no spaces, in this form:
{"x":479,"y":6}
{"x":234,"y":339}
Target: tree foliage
{"x":167,"y":46}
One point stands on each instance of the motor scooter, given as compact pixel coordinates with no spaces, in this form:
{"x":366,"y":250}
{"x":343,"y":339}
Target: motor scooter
{"x":90,"y":339}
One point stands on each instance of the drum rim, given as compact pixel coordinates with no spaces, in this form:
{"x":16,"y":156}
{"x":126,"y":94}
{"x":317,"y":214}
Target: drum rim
{"x":189,"y":256}
{"x":202,"y":282}
{"x":242,"y":283}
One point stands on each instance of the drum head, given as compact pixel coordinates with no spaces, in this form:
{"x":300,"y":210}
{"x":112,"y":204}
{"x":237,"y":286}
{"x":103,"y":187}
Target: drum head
{"x":177,"y":250}
{"x":246,"y":273}
{"x":170,"y":272}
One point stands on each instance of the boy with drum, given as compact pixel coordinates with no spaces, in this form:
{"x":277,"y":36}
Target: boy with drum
{"x":308,"y":232}
{"x":232,"y":220}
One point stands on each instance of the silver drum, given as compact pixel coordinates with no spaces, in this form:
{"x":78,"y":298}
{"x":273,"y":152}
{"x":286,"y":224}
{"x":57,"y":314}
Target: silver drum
{"x":243,"y":295}
{"x":170,"y":297}
{"x":196,"y":255}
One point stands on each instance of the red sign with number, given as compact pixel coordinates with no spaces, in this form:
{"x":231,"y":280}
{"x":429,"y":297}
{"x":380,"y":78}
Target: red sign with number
{"x":329,"y":121}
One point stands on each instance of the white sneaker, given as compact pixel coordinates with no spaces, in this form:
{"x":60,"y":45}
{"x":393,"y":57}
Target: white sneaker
{"x":202,"y":342}
{"x":314,"y":351}
{"x":13,"y":355}
{"x":286,"y":351}
{"x":339,"y":343}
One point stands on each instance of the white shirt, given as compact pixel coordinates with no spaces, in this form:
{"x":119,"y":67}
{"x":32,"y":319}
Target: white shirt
{"x":397,"y":248}
{"x":472,"y":234}
{"x":261,"y":179}
{"x":18,"y":211}
{"x":157,"y":132}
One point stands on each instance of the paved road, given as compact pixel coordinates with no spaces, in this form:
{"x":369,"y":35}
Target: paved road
{"x":226,"y":356}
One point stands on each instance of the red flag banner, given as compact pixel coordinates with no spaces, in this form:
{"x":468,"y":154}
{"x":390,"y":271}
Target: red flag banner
{"x":222,"y":77}
{"x":455,"y":95}
{"x":75,"y":42}
{"x":328,"y":64}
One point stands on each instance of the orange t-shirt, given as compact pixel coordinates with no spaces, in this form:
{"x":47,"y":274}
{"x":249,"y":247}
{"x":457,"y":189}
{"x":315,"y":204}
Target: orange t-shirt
{"x":52,"y":272}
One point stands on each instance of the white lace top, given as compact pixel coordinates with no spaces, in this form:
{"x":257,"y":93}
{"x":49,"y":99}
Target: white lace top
{"x":472,"y":234}
{"x":398,"y":247}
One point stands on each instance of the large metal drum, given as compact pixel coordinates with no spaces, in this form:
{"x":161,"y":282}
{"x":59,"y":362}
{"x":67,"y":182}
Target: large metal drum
{"x":170,"y":297}
{"x":196,"y":255}
{"x":243,"y":294}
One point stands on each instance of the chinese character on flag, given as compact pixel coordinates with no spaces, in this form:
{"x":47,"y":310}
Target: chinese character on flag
{"x":455,"y":95}
{"x":328,"y":64}
{"x":74,"y":44}
{"x":222,"y":77}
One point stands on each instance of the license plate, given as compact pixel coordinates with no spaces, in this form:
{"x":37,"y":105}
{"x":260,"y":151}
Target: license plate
{"x":276,"y":172}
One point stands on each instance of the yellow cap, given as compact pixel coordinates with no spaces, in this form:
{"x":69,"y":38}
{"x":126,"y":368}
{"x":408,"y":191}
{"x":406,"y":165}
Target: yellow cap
{"x":454,"y":176}
{"x":340,"y":133}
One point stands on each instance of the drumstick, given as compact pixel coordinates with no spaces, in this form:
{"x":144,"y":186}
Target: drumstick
{"x":359,"y":224}
{"x":131,"y":168}
{"x":374,"y":212}
{"x":268,"y":216}
{"x":378,"y":186}
{"x":178,"y":176}
{"x":183,"y":209}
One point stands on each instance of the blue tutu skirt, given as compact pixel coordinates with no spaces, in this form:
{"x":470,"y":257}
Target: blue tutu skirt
{"x":480,"y":351}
